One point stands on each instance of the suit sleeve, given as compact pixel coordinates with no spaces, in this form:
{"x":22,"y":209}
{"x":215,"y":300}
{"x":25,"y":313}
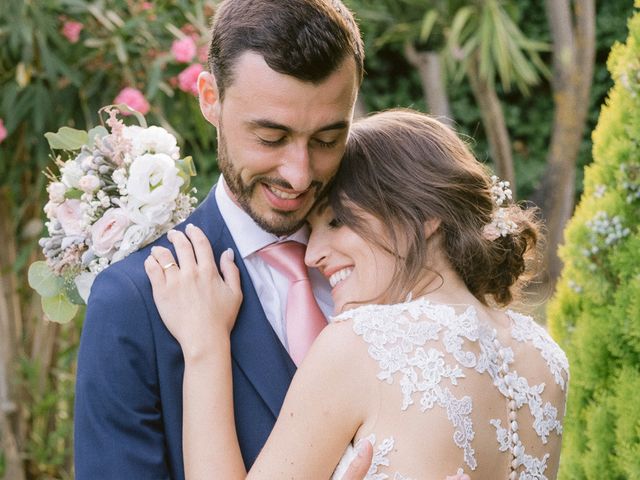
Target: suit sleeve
{"x":118,"y":419}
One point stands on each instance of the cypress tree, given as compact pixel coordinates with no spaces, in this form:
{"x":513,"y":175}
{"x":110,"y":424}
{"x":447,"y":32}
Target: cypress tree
{"x":595,"y":314}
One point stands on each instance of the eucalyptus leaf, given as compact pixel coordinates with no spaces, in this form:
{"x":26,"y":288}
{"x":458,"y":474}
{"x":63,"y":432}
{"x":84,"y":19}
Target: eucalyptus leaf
{"x":42,"y":279}
{"x":71,"y":292}
{"x":96,"y":132}
{"x":59,"y":309}
{"x":67,"y":139}
{"x":186,"y":170}
{"x":126,"y":108}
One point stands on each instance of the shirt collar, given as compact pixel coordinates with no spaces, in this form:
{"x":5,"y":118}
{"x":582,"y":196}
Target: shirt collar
{"x":248,"y":236}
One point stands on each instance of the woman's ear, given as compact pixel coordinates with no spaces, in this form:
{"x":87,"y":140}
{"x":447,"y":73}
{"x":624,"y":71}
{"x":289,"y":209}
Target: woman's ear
{"x":209,"y":98}
{"x":430,"y":227}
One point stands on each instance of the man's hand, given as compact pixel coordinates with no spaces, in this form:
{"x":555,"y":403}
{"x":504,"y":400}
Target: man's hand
{"x":360,"y":465}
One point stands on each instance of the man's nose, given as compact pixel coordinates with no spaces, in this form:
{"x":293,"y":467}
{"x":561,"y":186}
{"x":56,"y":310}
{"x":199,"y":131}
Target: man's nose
{"x":296,"y":168}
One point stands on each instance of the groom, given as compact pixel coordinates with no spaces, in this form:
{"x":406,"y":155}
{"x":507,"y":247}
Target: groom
{"x":280,"y":91}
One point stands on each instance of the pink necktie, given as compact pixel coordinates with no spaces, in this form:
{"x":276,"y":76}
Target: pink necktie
{"x":303,"y":317}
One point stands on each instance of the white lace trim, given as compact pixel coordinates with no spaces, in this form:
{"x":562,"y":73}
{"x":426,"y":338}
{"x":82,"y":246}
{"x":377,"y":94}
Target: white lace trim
{"x":397,"y":334}
{"x":526,"y":330}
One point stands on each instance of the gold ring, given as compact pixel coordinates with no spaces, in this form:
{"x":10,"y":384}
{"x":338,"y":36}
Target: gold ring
{"x":169,"y":265}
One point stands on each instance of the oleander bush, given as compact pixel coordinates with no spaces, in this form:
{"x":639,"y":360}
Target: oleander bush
{"x":595,"y":314}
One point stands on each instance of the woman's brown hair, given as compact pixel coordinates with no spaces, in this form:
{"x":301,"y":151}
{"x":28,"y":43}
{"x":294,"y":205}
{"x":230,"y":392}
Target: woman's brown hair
{"x":406,"y":168}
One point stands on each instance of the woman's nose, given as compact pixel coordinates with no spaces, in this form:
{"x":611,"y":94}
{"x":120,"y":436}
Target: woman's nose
{"x":315,"y":255}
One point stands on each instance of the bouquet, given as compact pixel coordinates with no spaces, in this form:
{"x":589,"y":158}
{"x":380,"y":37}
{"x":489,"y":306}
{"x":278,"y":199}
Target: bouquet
{"x":118,"y":189}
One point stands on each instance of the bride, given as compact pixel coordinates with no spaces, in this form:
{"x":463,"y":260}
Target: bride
{"x":422,"y":249}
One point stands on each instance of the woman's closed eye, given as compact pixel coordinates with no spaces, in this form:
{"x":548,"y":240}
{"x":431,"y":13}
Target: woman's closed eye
{"x":335,"y":223}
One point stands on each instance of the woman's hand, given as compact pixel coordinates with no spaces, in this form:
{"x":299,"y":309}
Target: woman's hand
{"x":198,"y":306}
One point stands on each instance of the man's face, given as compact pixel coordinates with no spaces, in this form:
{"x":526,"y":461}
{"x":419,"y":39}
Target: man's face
{"x":280,"y":140}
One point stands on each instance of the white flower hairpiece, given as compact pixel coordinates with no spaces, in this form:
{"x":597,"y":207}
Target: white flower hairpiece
{"x":501,"y":223}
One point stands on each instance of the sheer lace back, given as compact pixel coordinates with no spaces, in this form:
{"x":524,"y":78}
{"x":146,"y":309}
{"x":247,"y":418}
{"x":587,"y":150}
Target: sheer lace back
{"x":459,"y":393}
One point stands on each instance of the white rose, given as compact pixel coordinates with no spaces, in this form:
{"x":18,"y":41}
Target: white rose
{"x":56,"y":192}
{"x":134,"y":238}
{"x":152,"y":140}
{"x":108,"y":231}
{"x":153,"y":179}
{"x":70,"y":215}
{"x":89,"y":183}
{"x":71,"y":173}
{"x":150,"y":214}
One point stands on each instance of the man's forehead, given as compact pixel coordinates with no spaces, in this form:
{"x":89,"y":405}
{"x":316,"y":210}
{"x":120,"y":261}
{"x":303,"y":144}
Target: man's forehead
{"x":253,"y":76}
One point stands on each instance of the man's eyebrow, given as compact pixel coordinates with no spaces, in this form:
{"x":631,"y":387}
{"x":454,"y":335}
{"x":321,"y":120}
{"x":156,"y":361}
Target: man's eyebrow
{"x":263,"y":123}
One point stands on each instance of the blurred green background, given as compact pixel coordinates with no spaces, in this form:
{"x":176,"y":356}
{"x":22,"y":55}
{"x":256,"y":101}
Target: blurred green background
{"x":524,"y":80}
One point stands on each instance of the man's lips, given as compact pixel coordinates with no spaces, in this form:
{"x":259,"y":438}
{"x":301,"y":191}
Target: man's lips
{"x":285,"y":200}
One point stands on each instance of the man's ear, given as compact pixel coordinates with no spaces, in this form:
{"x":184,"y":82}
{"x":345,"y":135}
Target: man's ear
{"x":431,"y":227}
{"x":209,"y":98}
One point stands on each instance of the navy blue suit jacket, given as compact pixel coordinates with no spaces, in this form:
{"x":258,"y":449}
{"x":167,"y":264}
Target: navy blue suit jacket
{"x":128,"y":407}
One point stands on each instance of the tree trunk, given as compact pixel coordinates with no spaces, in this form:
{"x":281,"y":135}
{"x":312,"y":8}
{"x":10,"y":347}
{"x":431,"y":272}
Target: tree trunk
{"x":10,"y":328}
{"x":429,"y":66}
{"x":573,"y":64}
{"x":493,"y":123}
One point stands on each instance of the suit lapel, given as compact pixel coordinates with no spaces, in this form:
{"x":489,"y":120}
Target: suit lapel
{"x":255,"y":347}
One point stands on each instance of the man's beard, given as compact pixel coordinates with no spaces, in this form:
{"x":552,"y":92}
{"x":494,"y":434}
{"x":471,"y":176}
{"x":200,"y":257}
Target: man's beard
{"x":284,"y":223}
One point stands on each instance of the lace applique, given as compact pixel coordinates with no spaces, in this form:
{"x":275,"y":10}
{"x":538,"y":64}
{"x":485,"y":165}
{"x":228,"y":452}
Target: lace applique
{"x":525,"y":329}
{"x":533,"y":467}
{"x":398,"y":347}
{"x":397,"y":334}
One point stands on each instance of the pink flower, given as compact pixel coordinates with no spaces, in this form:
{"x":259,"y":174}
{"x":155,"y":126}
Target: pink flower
{"x":188,"y":78}
{"x":71,"y":30}
{"x":108,"y":231}
{"x":146,"y":6}
{"x":184,"y":49}
{"x":69,"y":214}
{"x":133,"y":98}
{"x":3,"y":131}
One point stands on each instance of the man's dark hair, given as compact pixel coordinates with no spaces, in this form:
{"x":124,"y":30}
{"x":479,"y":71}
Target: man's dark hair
{"x":307,"y":39}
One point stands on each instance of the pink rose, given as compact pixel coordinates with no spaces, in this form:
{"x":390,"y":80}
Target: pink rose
{"x":188,"y":78}
{"x":3,"y":131}
{"x":133,"y":98}
{"x":71,"y":30}
{"x":69,"y":214}
{"x":146,"y":6}
{"x":184,"y":49}
{"x":108,"y":231}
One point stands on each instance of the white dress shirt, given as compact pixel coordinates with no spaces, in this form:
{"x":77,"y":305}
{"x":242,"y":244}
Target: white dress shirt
{"x":270,"y":285}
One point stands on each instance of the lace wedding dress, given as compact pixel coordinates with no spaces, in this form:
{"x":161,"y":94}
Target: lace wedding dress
{"x":457,"y":394}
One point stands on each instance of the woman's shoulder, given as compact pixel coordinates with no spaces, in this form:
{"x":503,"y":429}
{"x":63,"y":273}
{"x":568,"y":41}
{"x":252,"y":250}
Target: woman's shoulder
{"x":525,"y":330}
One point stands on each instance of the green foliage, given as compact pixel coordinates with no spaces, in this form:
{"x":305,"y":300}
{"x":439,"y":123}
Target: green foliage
{"x":47,"y":81}
{"x":50,"y":415}
{"x":392,"y":82}
{"x":595,"y":314}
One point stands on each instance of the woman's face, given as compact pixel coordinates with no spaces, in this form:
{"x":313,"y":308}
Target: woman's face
{"x":359,"y":271}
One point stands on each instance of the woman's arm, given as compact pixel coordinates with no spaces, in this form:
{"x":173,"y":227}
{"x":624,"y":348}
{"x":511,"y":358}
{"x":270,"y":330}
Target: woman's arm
{"x":325,"y":404}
